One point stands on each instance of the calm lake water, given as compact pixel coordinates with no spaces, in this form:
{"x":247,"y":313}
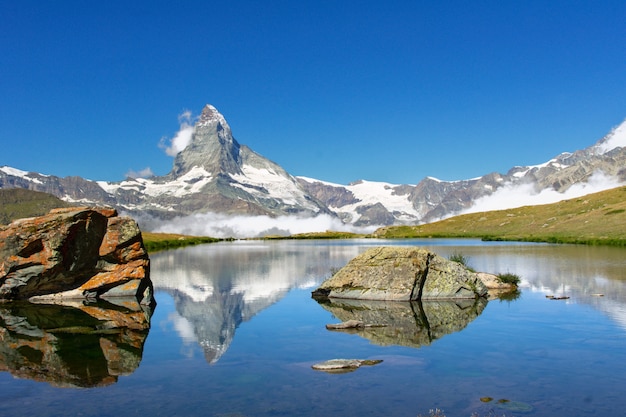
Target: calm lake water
{"x":235,"y":333}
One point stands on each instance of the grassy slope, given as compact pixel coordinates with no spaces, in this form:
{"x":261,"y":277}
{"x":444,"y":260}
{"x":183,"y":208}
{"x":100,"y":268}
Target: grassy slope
{"x":18,"y":203}
{"x":161,"y":241}
{"x":598,"y":218}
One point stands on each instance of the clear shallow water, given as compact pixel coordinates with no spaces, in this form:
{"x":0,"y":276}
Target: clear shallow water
{"x":235,"y":333}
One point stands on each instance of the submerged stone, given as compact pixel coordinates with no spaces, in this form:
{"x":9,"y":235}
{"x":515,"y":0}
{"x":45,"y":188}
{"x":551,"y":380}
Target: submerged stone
{"x":343,"y":365}
{"x":514,"y":406}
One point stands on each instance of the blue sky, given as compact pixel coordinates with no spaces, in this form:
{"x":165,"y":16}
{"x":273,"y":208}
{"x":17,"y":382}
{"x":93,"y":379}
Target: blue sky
{"x":336,"y":90}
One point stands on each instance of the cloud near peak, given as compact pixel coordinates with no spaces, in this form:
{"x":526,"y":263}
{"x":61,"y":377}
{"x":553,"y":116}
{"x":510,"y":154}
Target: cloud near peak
{"x":142,"y":173}
{"x":518,"y":195}
{"x":182,"y":138}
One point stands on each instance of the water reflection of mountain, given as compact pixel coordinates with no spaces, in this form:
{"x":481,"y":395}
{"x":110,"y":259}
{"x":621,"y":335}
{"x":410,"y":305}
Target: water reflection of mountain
{"x":213,"y":321}
{"x":412,"y":324}
{"x":217,"y":287}
{"x":72,"y":344}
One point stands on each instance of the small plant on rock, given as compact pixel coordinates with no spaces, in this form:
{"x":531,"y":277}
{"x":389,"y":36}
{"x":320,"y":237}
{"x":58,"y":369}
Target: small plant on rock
{"x":509,"y":278}
{"x":462,"y":259}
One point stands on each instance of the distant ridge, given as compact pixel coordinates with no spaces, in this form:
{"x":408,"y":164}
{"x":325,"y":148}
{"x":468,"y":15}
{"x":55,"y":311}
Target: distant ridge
{"x":216,"y":175}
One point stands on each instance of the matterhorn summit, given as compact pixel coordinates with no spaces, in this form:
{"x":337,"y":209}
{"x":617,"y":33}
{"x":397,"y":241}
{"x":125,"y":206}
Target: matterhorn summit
{"x":210,"y":116}
{"x":212,"y":147}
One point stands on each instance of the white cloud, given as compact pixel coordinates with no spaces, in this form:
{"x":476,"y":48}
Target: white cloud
{"x":518,"y":195}
{"x":615,"y":139}
{"x":239,"y":226}
{"x":142,"y":173}
{"x":182,"y":138}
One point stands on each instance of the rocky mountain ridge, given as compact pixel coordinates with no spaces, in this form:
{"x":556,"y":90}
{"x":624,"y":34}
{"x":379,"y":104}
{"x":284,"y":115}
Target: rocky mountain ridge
{"x":216,"y":174}
{"x":432,"y":199}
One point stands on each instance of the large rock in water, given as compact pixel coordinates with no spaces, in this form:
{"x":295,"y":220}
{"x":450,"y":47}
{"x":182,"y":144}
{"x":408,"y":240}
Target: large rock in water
{"x":74,"y":253}
{"x":402,"y":274}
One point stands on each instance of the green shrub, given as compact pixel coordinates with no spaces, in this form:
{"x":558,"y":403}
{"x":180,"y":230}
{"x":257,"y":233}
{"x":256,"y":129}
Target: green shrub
{"x":509,"y":278}
{"x":459,"y":257}
{"x":462,"y":259}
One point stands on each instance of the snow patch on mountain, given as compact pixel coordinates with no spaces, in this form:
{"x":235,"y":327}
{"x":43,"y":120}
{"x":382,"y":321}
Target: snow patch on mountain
{"x":21,"y":174}
{"x":265,"y":182}
{"x":372,"y":192}
{"x":189,"y":183}
{"x":552,"y":163}
{"x":313,"y":180}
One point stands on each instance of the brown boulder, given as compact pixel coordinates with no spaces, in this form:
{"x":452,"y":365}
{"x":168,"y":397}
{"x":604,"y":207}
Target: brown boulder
{"x":74,"y":253}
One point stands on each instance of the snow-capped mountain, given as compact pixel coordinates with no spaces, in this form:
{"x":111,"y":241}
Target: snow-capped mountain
{"x":600,"y":166}
{"x":215,"y":174}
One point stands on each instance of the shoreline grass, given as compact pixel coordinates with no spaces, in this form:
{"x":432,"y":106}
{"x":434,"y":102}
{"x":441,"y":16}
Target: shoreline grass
{"x":155,"y":242}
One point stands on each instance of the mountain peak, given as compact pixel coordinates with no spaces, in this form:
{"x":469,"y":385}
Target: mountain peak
{"x":210,"y":116}
{"x":212,"y":146}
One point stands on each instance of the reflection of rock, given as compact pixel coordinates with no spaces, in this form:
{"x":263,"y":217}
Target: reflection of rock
{"x":496,"y":287}
{"x":402,"y":274}
{"x":412,"y":324}
{"x":74,"y":253}
{"x":73,"y":344}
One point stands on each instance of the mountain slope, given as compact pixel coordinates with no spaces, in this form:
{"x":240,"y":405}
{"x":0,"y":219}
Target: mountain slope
{"x":597,"y":218}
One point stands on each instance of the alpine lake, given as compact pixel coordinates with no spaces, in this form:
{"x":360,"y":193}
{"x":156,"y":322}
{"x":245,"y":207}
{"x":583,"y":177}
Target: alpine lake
{"x":235,"y":333}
